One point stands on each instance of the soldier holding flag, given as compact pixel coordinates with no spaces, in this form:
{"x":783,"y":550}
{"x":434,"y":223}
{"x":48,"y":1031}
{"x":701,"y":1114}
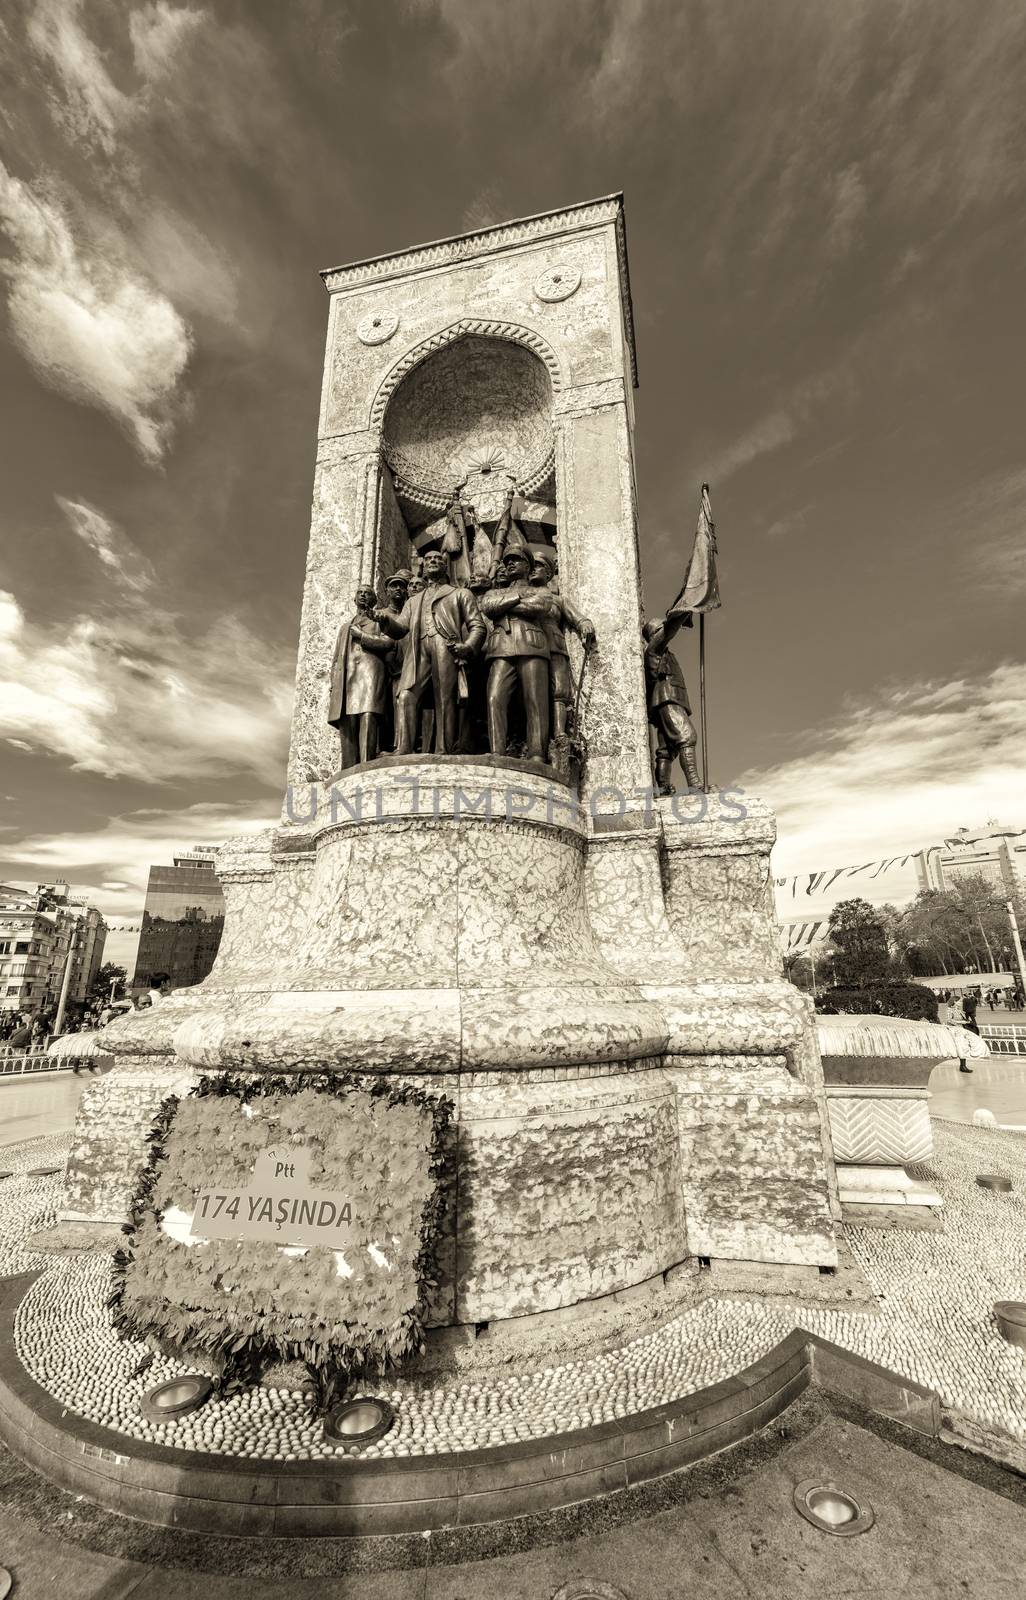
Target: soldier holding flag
{"x":669,"y":706}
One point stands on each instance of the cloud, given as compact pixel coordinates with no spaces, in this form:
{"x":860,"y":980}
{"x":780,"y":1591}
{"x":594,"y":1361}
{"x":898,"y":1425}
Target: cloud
{"x":82,"y":95}
{"x":108,"y":867}
{"x":89,"y":324}
{"x":483,"y":211}
{"x":848,"y":211}
{"x":902,"y":772}
{"x":777,"y":428}
{"x":114,"y":550}
{"x":157,"y":32}
{"x":130,"y":696}
{"x":990,"y":524}
{"x":116,"y":859}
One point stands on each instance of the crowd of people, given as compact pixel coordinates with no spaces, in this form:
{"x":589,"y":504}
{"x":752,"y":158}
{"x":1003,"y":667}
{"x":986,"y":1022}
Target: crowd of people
{"x":1007,"y":999}
{"x":29,"y":1033}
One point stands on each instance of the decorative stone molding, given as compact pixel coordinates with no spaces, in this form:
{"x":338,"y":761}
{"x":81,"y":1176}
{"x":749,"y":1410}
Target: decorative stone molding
{"x":335,"y":448}
{"x":558,"y":283}
{"x":512,"y":332}
{"x":377,"y":330}
{"x":489,"y":241}
{"x":588,"y":397}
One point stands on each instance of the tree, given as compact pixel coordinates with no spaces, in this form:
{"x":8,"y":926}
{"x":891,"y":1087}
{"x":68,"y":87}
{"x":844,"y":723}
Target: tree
{"x":798,"y":968}
{"x":961,"y":929}
{"x":859,"y":940}
{"x":109,"y":974}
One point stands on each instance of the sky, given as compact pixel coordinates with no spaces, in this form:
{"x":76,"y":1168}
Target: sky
{"x":825,"y":213}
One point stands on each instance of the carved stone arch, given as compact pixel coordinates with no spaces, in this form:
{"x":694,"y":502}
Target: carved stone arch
{"x":512,"y":332}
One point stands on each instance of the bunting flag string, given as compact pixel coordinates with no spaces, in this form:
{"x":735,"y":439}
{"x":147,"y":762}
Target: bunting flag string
{"x":805,"y":885}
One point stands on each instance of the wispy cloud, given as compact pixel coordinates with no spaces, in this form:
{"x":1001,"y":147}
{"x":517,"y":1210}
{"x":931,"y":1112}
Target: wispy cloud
{"x":89,"y":323}
{"x":116,"y":858}
{"x":105,"y":538}
{"x":990,"y":525}
{"x":902,"y":771}
{"x":83,"y":95}
{"x":848,"y":211}
{"x":110,"y":865}
{"x":130,"y":695}
{"x":779,"y":427}
{"x":157,"y":33}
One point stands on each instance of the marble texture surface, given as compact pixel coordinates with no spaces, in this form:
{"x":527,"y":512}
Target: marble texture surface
{"x":522,"y":960}
{"x":598,"y":977}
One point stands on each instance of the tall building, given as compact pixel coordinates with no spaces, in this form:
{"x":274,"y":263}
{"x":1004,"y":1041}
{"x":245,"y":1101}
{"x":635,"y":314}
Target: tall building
{"x":994,"y":852}
{"x":182,"y":920}
{"x":38,"y":928}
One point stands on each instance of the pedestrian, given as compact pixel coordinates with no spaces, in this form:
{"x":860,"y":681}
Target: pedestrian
{"x":160,"y":988}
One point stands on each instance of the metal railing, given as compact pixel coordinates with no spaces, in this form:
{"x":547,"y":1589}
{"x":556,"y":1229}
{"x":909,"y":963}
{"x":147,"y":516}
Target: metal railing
{"x":1004,"y":1038}
{"x":17,"y":1063}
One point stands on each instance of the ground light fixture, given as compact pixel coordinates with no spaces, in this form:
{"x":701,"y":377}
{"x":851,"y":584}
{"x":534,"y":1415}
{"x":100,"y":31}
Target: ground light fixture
{"x":359,"y":1421}
{"x":999,"y":1181}
{"x":176,"y":1397}
{"x":832,"y":1509}
{"x":1011,"y":1319}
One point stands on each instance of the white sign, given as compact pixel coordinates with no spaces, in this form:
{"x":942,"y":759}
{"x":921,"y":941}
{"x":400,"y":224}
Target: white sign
{"x":280,"y":1206}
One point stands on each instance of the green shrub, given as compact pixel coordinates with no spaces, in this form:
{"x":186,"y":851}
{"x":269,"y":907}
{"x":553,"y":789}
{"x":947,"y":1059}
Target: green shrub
{"x":911,"y":1000}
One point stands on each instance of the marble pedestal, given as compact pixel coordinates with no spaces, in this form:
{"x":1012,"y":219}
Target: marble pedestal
{"x":597,"y":994}
{"x":876,"y":1071}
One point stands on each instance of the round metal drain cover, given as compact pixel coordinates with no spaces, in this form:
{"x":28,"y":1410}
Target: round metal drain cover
{"x":832,"y":1509}
{"x":995,"y":1180}
{"x":588,"y":1589}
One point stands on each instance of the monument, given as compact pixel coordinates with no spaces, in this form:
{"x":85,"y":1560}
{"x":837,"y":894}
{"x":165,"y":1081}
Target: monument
{"x":584,"y":968}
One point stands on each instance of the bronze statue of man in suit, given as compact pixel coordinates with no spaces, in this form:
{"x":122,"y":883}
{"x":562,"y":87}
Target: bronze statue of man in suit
{"x":518,"y":651}
{"x":443,"y":627}
{"x":359,"y":693}
{"x":669,"y":707}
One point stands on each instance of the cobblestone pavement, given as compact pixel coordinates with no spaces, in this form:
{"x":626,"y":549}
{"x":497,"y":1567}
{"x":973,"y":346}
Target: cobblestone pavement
{"x":934,"y":1323}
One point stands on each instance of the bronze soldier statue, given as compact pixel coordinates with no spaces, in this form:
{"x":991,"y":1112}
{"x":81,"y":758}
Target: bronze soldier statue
{"x":560,"y":616}
{"x":443,"y":627}
{"x":518,"y":650}
{"x":669,"y":708}
{"x":358,"y":697}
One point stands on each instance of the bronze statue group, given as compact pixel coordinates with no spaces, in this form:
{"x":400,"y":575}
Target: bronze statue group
{"x":470,"y":655}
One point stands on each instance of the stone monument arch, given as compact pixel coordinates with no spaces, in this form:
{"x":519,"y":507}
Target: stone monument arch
{"x":592,"y":978}
{"x":548,"y":295}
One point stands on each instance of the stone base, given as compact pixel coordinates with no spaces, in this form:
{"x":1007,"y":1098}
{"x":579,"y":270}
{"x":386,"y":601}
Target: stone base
{"x":633,"y":1083}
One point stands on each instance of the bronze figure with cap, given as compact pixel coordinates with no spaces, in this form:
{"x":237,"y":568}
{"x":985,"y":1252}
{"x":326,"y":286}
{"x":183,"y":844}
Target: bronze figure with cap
{"x":669,"y":706}
{"x":518,"y":653}
{"x":560,"y":616}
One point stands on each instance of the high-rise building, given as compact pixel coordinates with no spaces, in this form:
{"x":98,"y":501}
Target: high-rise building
{"x":995,"y":852}
{"x":182,"y":920}
{"x":38,"y":928}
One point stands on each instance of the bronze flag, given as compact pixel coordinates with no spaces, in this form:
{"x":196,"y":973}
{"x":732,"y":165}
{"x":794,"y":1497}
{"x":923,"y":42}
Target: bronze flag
{"x":701,"y":588}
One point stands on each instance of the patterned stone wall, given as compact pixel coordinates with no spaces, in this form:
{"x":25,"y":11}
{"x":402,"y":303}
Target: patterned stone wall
{"x":110,"y":1147}
{"x":752,"y":1162}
